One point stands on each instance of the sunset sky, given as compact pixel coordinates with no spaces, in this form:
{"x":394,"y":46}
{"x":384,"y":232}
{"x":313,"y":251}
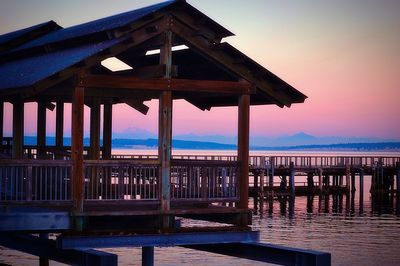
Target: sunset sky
{"x":344,"y":55}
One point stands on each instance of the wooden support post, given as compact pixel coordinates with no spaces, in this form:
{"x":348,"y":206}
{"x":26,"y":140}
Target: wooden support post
{"x":381,"y":186}
{"x":353,"y":182}
{"x":107,"y":130}
{"x":271,"y":176}
{"x":1,"y":125}
{"x":310,"y":182}
{"x":43,"y":261}
{"x":165,"y":131}
{"x":255,"y":181}
{"x":398,"y":180}
{"x":77,"y":149}
{"x":361,"y":200}
{"x":348,"y":172}
{"x":320,"y":180}
{"x":95,"y":130}
{"x":18,"y":130}
{"x":203,"y":183}
{"x":147,"y":256}
{"x":59,"y":128}
{"x":291,"y":180}
{"x":262,"y":176}
{"x":243,"y":149}
{"x":41,"y":130}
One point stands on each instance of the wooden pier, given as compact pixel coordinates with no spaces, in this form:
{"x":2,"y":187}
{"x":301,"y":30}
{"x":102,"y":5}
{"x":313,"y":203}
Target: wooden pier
{"x":86,"y":196}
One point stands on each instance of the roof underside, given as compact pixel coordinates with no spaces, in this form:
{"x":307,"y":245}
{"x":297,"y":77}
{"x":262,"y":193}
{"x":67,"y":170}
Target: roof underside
{"x":45,"y":58}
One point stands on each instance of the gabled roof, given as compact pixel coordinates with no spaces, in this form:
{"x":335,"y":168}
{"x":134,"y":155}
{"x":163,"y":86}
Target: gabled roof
{"x":46,"y":51}
{"x":14,"y":39}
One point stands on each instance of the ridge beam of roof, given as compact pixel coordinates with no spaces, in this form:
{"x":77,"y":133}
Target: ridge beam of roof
{"x":205,"y":47}
{"x":137,"y":105}
{"x":163,"y":84}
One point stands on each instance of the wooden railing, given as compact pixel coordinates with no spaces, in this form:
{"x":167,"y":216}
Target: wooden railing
{"x":324,"y":161}
{"x":205,"y":180}
{"x":49,"y":181}
{"x":121,"y":180}
{"x":35,"y":181}
{"x":299,"y":161}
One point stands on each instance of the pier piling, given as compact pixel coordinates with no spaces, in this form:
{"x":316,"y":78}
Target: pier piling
{"x":271,"y":176}
{"x":291,"y":180}
{"x":398,"y":179}
{"x":348,"y":172}
{"x":320,"y":179}
{"x":147,"y":256}
{"x":361,"y":201}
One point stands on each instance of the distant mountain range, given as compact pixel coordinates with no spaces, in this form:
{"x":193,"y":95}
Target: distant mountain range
{"x":152,"y":143}
{"x":297,"y":139}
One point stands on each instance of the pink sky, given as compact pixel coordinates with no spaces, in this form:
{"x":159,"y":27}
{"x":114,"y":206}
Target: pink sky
{"x":343,"y":55}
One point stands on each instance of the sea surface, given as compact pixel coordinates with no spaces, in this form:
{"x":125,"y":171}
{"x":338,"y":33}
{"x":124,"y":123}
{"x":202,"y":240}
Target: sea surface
{"x":355,"y":231}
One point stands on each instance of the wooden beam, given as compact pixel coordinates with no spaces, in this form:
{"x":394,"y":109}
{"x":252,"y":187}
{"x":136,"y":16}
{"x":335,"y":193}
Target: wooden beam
{"x":18,"y":129}
{"x":107,"y":129}
{"x":165,"y":129}
{"x":243,"y":149}
{"x":121,"y":93}
{"x":77,"y":149}
{"x":41,"y":129}
{"x":137,"y":105}
{"x":60,"y":125}
{"x":167,"y":84}
{"x":95,"y":130}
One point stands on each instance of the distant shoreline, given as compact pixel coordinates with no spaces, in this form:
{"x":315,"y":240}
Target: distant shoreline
{"x":150,"y":144}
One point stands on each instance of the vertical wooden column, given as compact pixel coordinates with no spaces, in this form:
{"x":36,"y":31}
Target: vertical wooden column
{"x":291,"y":180}
{"x":95,"y":130}
{"x":353,"y":181}
{"x":262,"y":177}
{"x":59,"y":126}
{"x":348,"y":173}
{"x":320,"y":179}
{"x":18,"y":129}
{"x":361,"y":200}
{"x":44,"y":261}
{"x":147,"y":256}
{"x":165,"y":128}
{"x":41,"y":129}
{"x":271,"y":176}
{"x":77,"y":148}
{"x":107,"y":130}
{"x":243,"y":148}
{"x":398,"y":180}
{"x":1,"y":125}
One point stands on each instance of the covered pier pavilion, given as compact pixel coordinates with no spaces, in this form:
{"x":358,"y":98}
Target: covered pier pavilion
{"x":82,"y":193}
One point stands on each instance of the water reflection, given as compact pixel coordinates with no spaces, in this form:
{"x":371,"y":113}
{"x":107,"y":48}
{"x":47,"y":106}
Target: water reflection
{"x":337,"y":203}
{"x":351,"y":226}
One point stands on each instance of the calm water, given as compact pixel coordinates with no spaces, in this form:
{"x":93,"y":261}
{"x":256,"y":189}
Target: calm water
{"x":354,"y":231}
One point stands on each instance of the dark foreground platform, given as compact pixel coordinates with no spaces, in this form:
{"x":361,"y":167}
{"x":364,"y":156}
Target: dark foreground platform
{"x":79,"y":250}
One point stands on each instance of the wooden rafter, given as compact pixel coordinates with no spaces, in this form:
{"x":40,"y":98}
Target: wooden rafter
{"x":137,"y":105}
